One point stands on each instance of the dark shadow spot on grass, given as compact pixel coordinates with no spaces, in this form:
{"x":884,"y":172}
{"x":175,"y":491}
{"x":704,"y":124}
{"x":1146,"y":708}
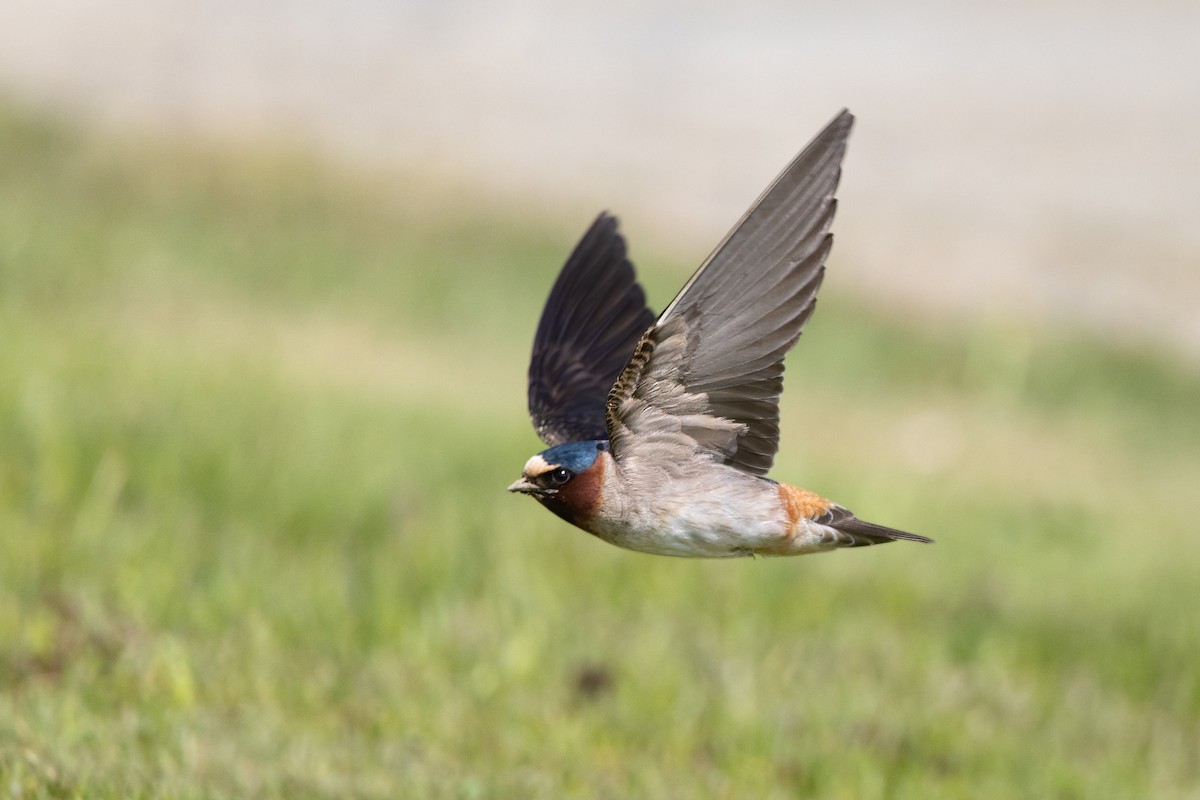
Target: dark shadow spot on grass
{"x":593,"y":681}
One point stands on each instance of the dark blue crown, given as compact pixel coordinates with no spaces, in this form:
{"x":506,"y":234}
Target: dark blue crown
{"x":575,"y":456}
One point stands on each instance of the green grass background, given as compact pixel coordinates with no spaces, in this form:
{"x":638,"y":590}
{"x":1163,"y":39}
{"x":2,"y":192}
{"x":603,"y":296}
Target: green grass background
{"x":256,"y":420}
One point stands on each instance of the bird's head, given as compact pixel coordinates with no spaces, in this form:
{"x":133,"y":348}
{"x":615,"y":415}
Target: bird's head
{"x":566,"y":478}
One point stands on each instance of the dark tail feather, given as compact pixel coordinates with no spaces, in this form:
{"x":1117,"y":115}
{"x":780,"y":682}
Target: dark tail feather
{"x":853,"y":532}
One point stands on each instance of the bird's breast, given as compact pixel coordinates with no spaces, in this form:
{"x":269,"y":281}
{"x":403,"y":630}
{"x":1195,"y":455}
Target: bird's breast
{"x":714,"y":512}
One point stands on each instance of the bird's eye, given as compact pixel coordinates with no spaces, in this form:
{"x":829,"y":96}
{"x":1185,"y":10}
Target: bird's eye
{"x":560,"y":476}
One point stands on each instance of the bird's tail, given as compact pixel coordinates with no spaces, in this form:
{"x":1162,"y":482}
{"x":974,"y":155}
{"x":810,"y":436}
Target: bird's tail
{"x":854,"y":532}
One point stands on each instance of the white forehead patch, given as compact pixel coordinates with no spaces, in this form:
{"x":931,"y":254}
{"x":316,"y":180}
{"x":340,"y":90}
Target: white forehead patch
{"x":536,"y":466}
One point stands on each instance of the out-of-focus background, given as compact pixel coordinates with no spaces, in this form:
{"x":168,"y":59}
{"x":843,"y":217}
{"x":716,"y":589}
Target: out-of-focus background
{"x":268,"y":277}
{"x":1010,"y":159}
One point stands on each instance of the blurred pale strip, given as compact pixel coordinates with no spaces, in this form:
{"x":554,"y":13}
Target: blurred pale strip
{"x":1038,"y":159}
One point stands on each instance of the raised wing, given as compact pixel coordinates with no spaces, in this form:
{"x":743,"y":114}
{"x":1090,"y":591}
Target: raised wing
{"x":594,"y":316}
{"x":707,"y":377}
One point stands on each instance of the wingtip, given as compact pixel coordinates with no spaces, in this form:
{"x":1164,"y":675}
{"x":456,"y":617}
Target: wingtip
{"x":604,"y":221}
{"x":840,"y":126}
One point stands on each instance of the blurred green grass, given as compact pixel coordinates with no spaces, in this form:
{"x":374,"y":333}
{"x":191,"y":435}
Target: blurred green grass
{"x":256,"y":418}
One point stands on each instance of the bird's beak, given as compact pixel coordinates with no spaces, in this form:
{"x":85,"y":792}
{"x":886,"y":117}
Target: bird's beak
{"x":523,"y":486}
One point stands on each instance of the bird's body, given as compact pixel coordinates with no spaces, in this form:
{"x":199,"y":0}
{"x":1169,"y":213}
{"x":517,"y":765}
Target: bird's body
{"x":706,"y":511}
{"x":662,"y":431}
{"x":715,"y":512}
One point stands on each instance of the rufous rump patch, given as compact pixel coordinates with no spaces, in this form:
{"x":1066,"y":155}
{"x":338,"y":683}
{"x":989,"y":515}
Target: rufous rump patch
{"x":800,"y":504}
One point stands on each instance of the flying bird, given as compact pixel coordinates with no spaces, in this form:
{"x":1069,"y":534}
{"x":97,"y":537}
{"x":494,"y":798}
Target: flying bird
{"x":661,"y":431}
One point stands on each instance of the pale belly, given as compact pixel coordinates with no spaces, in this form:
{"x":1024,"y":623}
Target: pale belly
{"x":727,"y":517}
